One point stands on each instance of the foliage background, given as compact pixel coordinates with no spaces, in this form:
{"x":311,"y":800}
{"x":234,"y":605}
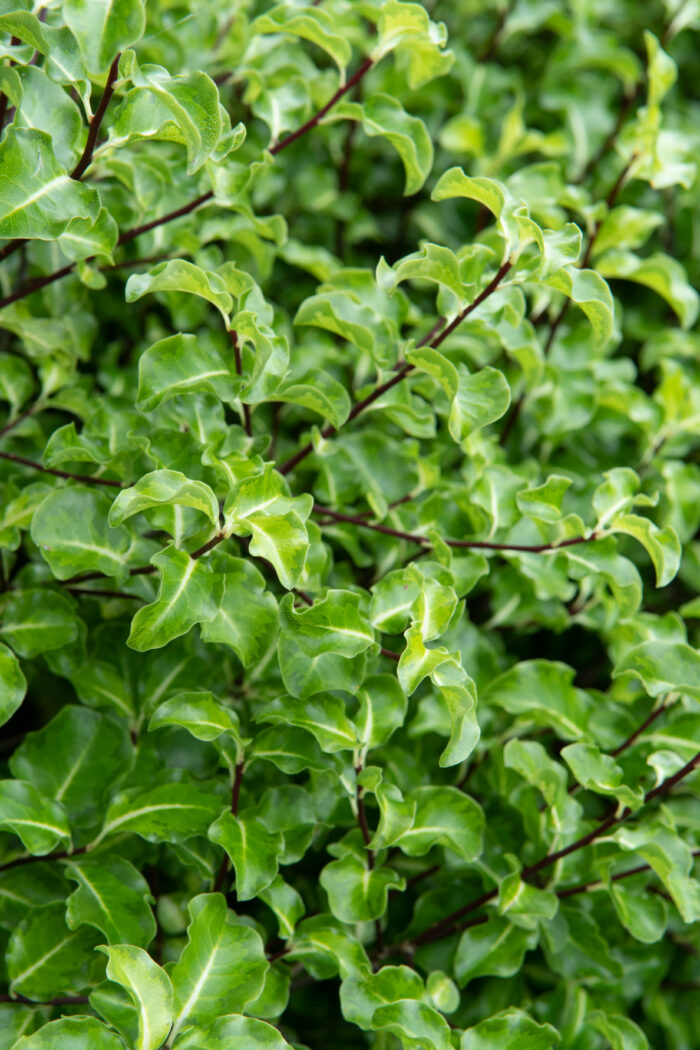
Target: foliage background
{"x":348,"y":450}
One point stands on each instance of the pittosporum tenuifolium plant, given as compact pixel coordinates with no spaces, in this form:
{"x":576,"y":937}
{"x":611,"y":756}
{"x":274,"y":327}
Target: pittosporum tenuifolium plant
{"x":349,"y":455}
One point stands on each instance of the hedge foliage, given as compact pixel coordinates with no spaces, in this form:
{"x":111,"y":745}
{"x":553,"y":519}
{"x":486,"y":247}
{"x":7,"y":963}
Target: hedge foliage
{"x":349,"y":441}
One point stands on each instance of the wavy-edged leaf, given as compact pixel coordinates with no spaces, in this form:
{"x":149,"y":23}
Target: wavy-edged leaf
{"x":190,"y":592}
{"x":222,"y":966}
{"x":148,"y":987}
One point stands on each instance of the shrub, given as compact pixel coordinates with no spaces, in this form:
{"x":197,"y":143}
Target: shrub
{"x":349,"y":438}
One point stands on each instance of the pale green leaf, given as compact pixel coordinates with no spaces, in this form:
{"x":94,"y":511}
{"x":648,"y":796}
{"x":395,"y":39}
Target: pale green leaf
{"x":149,"y":988}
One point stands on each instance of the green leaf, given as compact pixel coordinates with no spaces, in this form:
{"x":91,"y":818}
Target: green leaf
{"x":313,"y":24}
{"x":183,"y":364}
{"x":477,"y":399}
{"x":172,"y":812}
{"x":113,"y":897}
{"x":253,"y":851}
{"x":322,"y":715}
{"x":149,"y":988}
{"x":201,"y":713}
{"x":79,"y":1033}
{"x":161,"y":488}
{"x":38,"y":198}
{"x":285,"y":902}
{"x":44,"y":958}
{"x":104,"y":27}
{"x":26,"y":27}
{"x":382,"y":115}
{"x":447,"y":817}
{"x":644,"y":915}
{"x":245,"y":1033}
{"x":662,"y":545}
{"x":621,"y":1032}
{"x":661,"y":273}
{"x":542,"y":691}
{"x":357,"y":893}
{"x":663,"y":667}
{"x":514,"y":222}
{"x":510,"y":1029}
{"x":178,"y":275}
{"x":39,"y":822}
{"x":247,"y":618}
{"x":38,"y":620}
{"x":289,"y":749}
{"x":543,"y":502}
{"x":189,"y":593}
{"x":417,"y":1024}
{"x":71,"y":531}
{"x":13,"y":684}
{"x":600,"y":773}
{"x":389,"y":1000}
{"x":76,"y":759}
{"x":382,"y":709}
{"x":319,"y":392}
{"x":361,"y":993}
{"x":333,"y":625}
{"x":480,"y":399}
{"x":406,"y":28}
{"x":496,"y":949}
{"x":222,"y":966}
{"x":183,"y":108}
{"x":261,"y":508}
{"x":588,"y":290}
{"x":661,"y":69}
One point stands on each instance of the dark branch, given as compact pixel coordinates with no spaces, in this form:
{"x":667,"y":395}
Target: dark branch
{"x":87,"y":478}
{"x":412,"y":537}
{"x":96,"y":122}
{"x":403,"y":368}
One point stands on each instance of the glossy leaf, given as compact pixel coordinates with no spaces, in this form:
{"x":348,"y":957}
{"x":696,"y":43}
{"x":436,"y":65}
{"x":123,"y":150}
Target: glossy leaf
{"x":222,"y":966}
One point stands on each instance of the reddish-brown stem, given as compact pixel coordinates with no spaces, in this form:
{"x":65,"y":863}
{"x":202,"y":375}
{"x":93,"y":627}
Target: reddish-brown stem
{"x":233,"y":336}
{"x":366,"y":836}
{"x":582,"y":887}
{"x":19,"y":862}
{"x":402,"y":369}
{"x":170,"y":216}
{"x":235,"y":793}
{"x":96,"y":122}
{"x":87,"y":478}
{"x":16,"y":421}
{"x":556,"y":323}
{"x":390,"y":654}
{"x":84,"y":162}
{"x":412,"y":537}
{"x":177,"y":213}
{"x":446,"y":926}
{"x":656,"y":713}
{"x":14,"y":41}
{"x":209,"y":545}
{"x":318,"y":117}
{"x":38,"y":283}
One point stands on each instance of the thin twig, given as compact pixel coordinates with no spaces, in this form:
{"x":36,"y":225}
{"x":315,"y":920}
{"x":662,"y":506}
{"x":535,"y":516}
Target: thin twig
{"x":87,"y":478}
{"x":412,"y":537}
{"x":86,"y":158}
{"x":445,"y":926}
{"x":402,"y":369}
{"x":233,"y":336}
{"x":178,"y":213}
{"x":317,"y":117}
{"x":96,"y":122}
{"x":235,"y":793}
